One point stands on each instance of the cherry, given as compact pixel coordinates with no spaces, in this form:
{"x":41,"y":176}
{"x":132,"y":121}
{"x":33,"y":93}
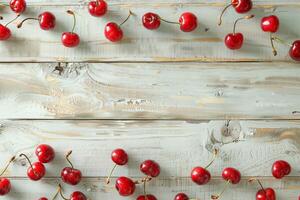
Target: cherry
{"x":70,"y":175}
{"x":113,"y":31}
{"x":270,"y":24}
{"x":295,"y":50}
{"x":200,"y":175}
{"x":280,"y":169}
{"x":119,"y":157}
{"x":188,"y":22}
{"x":125,"y":186}
{"x":45,"y":19}
{"x":5,"y":32}
{"x":150,"y":168}
{"x":241,"y":6}
{"x":18,"y":6}
{"x":232,"y":176}
{"x":71,"y":39}
{"x":43,"y":198}
{"x":77,"y":195}
{"x":36,"y":170}
{"x":5,"y":184}
{"x":264,"y":193}
{"x":235,"y":40}
{"x":97,"y":8}
{"x":146,"y":197}
{"x":45,"y":153}
{"x":181,"y":196}
{"x":151,"y":21}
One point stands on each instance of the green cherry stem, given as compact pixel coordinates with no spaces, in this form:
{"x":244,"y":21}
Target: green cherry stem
{"x":223,"y":11}
{"x":213,"y":159}
{"x":70,"y":12}
{"x":130,"y":13}
{"x":7,"y":165}
{"x":239,"y":19}
{"x":67,"y":158}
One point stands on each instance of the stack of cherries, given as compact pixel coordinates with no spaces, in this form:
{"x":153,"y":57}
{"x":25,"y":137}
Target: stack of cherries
{"x":126,"y":186}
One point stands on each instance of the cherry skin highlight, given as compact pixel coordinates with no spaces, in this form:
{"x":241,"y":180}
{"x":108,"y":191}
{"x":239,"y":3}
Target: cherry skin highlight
{"x":125,"y":186}
{"x":270,"y":24}
{"x":266,"y":194}
{"x":147,"y":197}
{"x":5,"y":186}
{"x":232,"y":175}
{"x":181,"y":196}
{"x":5,"y":33}
{"x":36,"y":172}
{"x":188,"y":22}
{"x":97,"y":8}
{"x":151,"y":21}
{"x":200,"y":176}
{"x":295,"y":50}
{"x":18,"y":6}
{"x":280,"y":169}
{"x":150,"y":168}
{"x":45,"y":153}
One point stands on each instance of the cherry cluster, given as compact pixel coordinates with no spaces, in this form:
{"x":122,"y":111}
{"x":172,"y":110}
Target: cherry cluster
{"x":187,"y":22}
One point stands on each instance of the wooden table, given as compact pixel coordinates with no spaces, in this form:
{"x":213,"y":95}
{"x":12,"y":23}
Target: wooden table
{"x":163,"y":95}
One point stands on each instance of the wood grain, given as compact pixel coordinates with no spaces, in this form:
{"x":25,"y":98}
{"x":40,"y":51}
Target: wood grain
{"x":161,"y":188}
{"x":250,"y":146}
{"x":30,"y":44}
{"x":150,"y":91}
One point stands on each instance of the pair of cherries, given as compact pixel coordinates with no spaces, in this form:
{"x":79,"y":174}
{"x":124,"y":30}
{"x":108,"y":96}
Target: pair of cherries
{"x":126,"y":186}
{"x":280,"y":169}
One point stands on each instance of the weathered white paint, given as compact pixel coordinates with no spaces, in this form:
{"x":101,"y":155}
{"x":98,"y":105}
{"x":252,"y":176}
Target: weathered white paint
{"x":162,"y":189}
{"x":167,"y":44}
{"x":150,"y":91}
{"x":250,"y":146}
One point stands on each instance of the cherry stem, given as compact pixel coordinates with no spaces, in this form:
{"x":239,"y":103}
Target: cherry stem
{"x":260,"y":184}
{"x":110,"y":174}
{"x":24,"y":20}
{"x":280,"y":41}
{"x":239,"y":19}
{"x":67,"y":158}
{"x":130,"y":13}
{"x":213,"y":159}
{"x":18,"y":15}
{"x":145,"y":194}
{"x":272,"y":45}
{"x":7,"y":165}
{"x":74,"y":19}
{"x":223,"y":11}
{"x":57,"y":192}
{"x":146,"y":179}
{"x":61,"y":193}
{"x":22,"y":154}
{"x":220,"y":194}
{"x":168,"y":21}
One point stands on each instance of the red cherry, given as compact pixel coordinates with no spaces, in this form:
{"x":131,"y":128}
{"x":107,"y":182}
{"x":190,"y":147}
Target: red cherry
{"x":36,"y":171}
{"x":188,"y":22}
{"x":181,"y":196}
{"x":113,"y":32}
{"x":18,"y":6}
{"x":119,"y":156}
{"x":5,"y":33}
{"x":200,"y":175}
{"x":43,"y":198}
{"x":150,"y":168}
{"x":71,"y":39}
{"x":125,"y":186}
{"x":45,"y":153}
{"x":232,"y":175}
{"x":242,"y":6}
{"x":295,"y":50}
{"x":97,"y":8}
{"x":5,"y":186}
{"x":280,"y":169}
{"x":47,"y":20}
{"x":234,"y":41}
{"x":266,"y":194}
{"x":78,"y":196}
{"x":270,"y":24}
{"x":151,"y":21}
{"x":147,"y":197}
{"x":70,"y":175}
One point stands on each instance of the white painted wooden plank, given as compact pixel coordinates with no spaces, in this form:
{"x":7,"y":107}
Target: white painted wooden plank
{"x":167,"y":44}
{"x":150,"y":91}
{"x":250,"y":146}
{"x":162,"y":189}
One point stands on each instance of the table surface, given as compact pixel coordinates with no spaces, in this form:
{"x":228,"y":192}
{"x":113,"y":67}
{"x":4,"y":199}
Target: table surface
{"x":163,"y":95}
